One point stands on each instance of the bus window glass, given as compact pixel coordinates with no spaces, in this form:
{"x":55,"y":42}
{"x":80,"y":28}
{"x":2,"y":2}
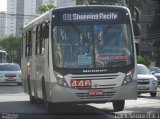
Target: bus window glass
{"x":73,"y":46}
{"x":39,"y":40}
{"x":113,"y":45}
{"x":92,"y":46}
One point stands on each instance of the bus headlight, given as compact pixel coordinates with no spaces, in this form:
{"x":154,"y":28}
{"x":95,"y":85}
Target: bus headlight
{"x":61,"y":80}
{"x":128,"y":78}
{"x":154,"y":81}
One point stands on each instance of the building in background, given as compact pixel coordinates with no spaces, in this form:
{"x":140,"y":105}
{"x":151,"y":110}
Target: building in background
{"x":147,"y":16}
{"x":21,"y":12}
{"x":30,"y":10}
{"x":2,"y":23}
{"x":14,"y":17}
{"x":19,"y":17}
{"x":11,"y":17}
{"x":147,"y":35}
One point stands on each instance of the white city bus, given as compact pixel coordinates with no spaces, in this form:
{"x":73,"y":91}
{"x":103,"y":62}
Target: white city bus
{"x":68,"y":56}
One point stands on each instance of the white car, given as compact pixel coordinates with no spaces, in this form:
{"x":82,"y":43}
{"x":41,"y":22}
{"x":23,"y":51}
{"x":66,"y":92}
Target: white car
{"x":10,"y":73}
{"x":156,"y":72}
{"x":147,"y":83}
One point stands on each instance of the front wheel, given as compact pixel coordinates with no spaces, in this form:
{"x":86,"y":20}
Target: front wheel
{"x":19,"y":84}
{"x":48,"y":106}
{"x":153,"y":94}
{"x":118,"y":105}
{"x":33,"y":100}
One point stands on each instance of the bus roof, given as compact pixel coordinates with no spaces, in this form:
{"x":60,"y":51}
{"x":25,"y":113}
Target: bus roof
{"x":91,"y":6}
{"x":38,"y":20}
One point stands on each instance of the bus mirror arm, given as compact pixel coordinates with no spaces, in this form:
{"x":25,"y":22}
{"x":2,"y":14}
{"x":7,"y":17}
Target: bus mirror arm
{"x":136,"y":14}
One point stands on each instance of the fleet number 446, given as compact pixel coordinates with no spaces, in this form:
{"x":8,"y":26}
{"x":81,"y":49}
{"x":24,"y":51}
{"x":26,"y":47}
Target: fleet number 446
{"x":81,"y":83}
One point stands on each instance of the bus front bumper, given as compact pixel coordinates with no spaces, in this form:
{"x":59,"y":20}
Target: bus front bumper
{"x":60,"y":94}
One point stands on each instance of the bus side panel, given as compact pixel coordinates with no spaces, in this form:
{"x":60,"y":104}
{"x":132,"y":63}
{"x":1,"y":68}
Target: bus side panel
{"x":41,"y":68}
{"x":47,"y":70}
{"x":24,"y":65}
{"x":33,"y":78}
{"x":24,"y":75}
{"x":48,"y":65}
{"x":39,"y":73}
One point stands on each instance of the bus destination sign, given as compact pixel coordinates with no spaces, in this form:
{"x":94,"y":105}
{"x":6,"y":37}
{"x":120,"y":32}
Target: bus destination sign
{"x":89,"y":16}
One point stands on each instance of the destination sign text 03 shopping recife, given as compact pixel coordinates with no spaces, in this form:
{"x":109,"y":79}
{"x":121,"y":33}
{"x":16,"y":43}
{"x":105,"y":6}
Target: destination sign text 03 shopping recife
{"x":89,"y":16}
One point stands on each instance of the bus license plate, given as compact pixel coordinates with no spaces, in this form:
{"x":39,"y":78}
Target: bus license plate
{"x":80,"y":84}
{"x":95,"y":92}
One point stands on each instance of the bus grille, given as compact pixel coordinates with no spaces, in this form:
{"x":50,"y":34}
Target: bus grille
{"x":102,"y":80}
{"x":95,"y":77}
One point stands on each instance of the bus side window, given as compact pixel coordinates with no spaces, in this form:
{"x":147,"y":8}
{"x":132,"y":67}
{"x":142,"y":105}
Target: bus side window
{"x":45,"y":35}
{"x":37,"y":45}
{"x":28,"y":47}
{"x":39,"y":40}
{"x":26,"y":40}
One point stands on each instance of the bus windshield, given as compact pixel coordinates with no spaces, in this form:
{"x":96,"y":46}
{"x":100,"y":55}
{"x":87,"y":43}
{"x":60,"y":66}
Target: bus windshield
{"x":92,"y":46}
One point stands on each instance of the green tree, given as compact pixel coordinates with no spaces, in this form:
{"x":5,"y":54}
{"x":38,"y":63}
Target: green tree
{"x":44,"y":8}
{"x":144,"y":60}
{"x":13,"y":47}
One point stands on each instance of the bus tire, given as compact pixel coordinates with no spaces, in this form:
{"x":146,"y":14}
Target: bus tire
{"x":33,"y":100}
{"x":139,"y":93}
{"x":118,"y":105}
{"x":47,"y":105}
{"x":153,"y":94}
{"x":29,"y":86}
{"x":19,"y":84}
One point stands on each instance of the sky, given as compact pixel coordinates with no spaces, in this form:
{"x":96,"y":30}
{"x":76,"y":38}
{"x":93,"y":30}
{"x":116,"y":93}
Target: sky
{"x":3,"y":4}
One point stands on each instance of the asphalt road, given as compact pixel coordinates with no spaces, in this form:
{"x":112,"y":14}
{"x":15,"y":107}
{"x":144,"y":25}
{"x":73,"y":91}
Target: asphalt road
{"x":14,"y":103}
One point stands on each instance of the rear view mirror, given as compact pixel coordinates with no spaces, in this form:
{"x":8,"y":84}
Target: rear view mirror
{"x":45,"y":31}
{"x":136,"y":28}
